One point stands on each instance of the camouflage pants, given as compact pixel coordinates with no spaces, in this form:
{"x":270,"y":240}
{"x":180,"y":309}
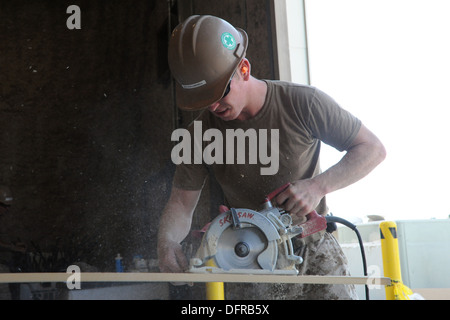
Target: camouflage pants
{"x":322,"y":255}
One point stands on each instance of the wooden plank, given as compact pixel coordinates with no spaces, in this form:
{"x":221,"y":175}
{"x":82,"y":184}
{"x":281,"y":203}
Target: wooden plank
{"x":186,"y":277}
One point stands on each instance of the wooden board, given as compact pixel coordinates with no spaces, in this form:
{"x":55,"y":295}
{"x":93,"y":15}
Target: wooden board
{"x":185,"y":277}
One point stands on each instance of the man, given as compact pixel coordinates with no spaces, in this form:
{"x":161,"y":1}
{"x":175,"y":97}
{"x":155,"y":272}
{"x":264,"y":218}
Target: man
{"x":207,"y":58}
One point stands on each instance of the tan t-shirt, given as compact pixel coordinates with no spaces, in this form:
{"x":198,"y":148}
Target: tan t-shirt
{"x":303,"y":115}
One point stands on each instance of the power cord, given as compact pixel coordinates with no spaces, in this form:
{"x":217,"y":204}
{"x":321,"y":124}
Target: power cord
{"x":331,"y":226}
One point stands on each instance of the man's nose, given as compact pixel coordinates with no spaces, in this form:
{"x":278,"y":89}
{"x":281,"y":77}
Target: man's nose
{"x":213,"y":107}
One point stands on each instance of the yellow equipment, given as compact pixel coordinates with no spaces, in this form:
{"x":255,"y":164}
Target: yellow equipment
{"x":391,"y":262}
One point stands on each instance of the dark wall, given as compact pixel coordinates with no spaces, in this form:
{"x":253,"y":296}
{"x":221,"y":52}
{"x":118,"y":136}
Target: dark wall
{"x":86,"y":118}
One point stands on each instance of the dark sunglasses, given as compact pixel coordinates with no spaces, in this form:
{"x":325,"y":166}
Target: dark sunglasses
{"x":227,"y":90}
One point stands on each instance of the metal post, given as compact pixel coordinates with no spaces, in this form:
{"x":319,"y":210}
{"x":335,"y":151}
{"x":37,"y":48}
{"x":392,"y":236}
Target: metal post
{"x":391,"y":262}
{"x":214,"y":290}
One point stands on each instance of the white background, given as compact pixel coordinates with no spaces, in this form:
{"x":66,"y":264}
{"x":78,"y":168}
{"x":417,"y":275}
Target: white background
{"x":388,"y":62}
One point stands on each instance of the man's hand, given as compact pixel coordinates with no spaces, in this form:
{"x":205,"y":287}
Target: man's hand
{"x":171,"y":257}
{"x":174,"y":226}
{"x":299,"y":199}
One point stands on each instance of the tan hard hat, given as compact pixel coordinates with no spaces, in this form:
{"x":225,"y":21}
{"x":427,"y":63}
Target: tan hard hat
{"x":5,"y":195}
{"x":204,"y":52}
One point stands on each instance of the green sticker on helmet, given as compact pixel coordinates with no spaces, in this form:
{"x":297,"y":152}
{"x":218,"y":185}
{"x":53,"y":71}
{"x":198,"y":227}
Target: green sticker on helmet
{"x":228,"y":41}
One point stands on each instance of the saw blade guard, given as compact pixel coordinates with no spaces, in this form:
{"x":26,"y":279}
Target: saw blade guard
{"x":252,"y":244}
{"x":247,"y":241}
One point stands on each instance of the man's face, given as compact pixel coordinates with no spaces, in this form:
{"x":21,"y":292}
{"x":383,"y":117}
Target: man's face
{"x":229,"y":107}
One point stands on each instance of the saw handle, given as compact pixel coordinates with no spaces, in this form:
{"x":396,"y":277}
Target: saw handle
{"x":274,"y":193}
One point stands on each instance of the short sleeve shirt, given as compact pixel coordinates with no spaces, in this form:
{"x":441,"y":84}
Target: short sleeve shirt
{"x":302,"y":115}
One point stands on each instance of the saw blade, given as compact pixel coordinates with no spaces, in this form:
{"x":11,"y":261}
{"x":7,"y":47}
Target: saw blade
{"x":239,"y":248}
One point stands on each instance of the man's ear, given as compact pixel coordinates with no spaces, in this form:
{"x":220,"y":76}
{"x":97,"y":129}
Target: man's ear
{"x":245,"y":69}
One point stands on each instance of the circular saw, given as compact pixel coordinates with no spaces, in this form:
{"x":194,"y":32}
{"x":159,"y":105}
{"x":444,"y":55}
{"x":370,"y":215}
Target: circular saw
{"x":248,"y":241}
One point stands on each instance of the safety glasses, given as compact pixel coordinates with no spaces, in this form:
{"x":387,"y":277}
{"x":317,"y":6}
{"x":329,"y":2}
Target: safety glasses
{"x":227,"y":90}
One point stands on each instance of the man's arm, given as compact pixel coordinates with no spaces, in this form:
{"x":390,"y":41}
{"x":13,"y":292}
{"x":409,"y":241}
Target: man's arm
{"x":365,"y":153}
{"x":174,"y":226}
